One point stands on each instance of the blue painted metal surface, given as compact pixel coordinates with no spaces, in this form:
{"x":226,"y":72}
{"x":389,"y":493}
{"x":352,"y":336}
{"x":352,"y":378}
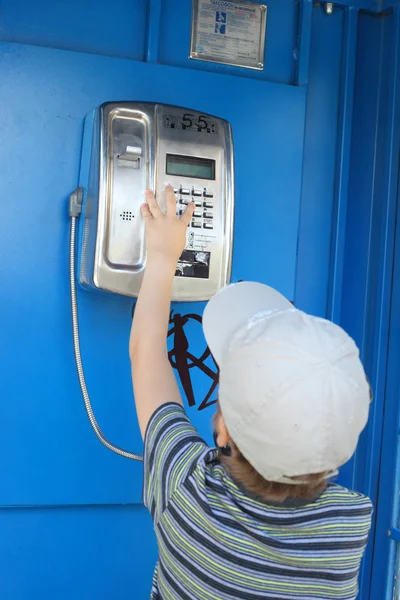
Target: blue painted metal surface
{"x":394,"y":533}
{"x":319,"y":163}
{"x":153,"y":30}
{"x":387,"y":540}
{"x":116,"y":28}
{"x":386,"y":549}
{"x":303,"y":44}
{"x":369,"y":244}
{"x":81,"y":553}
{"x":66,"y":463}
{"x":343,"y":155}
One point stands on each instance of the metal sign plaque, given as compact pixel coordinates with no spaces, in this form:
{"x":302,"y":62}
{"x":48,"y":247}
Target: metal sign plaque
{"x":231,"y":33}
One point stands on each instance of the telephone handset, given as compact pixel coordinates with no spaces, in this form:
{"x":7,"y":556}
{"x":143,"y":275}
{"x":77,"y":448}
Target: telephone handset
{"x":127,"y":148}
{"x":130,"y":147}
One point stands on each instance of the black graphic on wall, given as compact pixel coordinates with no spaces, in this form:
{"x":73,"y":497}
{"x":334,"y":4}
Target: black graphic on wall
{"x":183,"y":360}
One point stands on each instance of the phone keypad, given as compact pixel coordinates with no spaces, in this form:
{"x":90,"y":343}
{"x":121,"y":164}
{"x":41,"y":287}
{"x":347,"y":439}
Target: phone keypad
{"x":202,"y":219}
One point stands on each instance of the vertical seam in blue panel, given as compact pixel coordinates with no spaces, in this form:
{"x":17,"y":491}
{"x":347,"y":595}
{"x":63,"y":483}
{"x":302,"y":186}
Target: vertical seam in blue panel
{"x":373,"y":200}
{"x":301,"y":79}
{"x":371,"y":483}
{"x":153,"y":30}
{"x":392,"y":160}
{"x":304,"y":43}
{"x":343,"y":165}
{"x":379,"y":354}
{"x":391,"y":156}
{"x":384,"y":308}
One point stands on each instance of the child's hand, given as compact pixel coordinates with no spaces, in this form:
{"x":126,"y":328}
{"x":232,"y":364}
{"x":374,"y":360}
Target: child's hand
{"x":165,"y":233}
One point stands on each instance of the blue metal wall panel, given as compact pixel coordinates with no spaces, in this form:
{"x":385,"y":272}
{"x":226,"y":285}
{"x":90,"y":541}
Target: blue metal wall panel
{"x":345,"y":125}
{"x":104,"y":552}
{"x":368,"y":202}
{"x":384,"y":583}
{"x":369,"y":241}
{"x":385,"y":567}
{"x":116,"y":28}
{"x":53,"y":455}
{"x":363,"y":206}
{"x":319,"y":162}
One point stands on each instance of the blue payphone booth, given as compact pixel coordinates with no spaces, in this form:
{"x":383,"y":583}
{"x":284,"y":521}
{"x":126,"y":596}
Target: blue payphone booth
{"x":313,"y":106}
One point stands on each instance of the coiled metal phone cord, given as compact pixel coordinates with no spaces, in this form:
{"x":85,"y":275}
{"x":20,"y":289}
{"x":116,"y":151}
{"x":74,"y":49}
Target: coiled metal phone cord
{"x":74,"y":209}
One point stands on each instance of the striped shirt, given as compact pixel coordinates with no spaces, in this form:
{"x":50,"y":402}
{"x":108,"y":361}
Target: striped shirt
{"x":216,"y":543}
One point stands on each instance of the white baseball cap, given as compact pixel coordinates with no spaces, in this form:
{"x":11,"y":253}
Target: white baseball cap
{"x":293,"y":392}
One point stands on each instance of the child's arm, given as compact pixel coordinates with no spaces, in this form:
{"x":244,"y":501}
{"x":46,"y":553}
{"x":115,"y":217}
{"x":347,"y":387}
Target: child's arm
{"x":153,"y":379}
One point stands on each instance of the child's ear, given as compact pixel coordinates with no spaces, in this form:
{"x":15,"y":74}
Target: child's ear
{"x":222,"y":435}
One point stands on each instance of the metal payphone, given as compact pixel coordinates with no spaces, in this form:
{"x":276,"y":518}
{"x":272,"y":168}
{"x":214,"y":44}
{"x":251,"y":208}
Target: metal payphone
{"x":135,"y":146}
{"x":129,"y":147}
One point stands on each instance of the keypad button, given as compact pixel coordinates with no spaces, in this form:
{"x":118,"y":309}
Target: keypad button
{"x":185,"y":191}
{"x":183,"y":201}
{"x":196,"y":224}
{"x":207,"y":194}
{"x":198,"y":203}
{"x":196,"y":192}
{"x":176,"y":191}
{"x":208,"y":226}
{"x":208,"y":215}
{"x":197,"y":214}
{"x":208,"y":205}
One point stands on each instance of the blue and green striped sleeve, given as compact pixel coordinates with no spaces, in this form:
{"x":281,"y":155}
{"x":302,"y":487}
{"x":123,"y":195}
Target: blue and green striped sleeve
{"x":172,"y":448}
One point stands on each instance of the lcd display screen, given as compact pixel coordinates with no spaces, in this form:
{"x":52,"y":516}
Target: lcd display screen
{"x":190,"y":166}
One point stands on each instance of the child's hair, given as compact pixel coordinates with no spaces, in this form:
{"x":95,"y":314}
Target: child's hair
{"x":253,"y":483}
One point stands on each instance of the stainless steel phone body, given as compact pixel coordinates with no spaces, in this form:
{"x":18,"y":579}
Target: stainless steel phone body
{"x":132,"y":146}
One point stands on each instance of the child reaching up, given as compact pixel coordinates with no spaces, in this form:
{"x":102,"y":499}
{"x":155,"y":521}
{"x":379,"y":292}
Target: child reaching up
{"x":256,"y":517}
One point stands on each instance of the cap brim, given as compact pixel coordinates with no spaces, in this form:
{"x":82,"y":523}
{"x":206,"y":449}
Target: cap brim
{"x":233,"y":307}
